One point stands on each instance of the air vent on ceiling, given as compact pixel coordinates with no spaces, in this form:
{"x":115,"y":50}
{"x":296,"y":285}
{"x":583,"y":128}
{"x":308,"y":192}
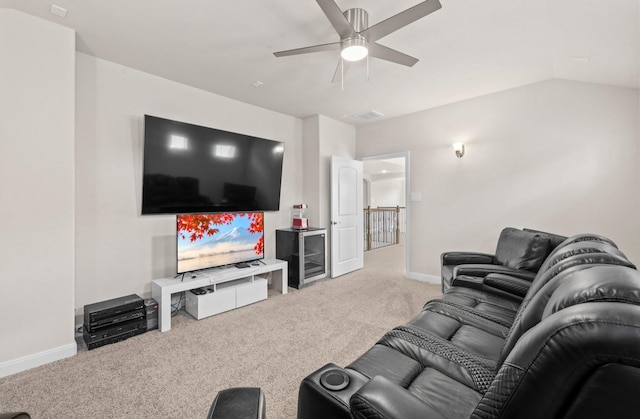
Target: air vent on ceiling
{"x":58,"y":11}
{"x":366,"y":116}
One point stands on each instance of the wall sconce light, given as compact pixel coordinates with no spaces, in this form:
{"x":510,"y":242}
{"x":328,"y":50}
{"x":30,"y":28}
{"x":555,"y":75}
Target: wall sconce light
{"x":459,"y":149}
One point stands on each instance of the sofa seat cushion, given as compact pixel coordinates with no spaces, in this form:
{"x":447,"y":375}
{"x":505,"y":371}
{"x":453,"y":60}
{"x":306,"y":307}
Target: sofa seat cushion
{"x":462,"y":329}
{"x":430,"y":380}
{"x":495,"y":308}
{"x":477,"y":341}
{"x":380,"y":398}
{"x":389,"y":363}
{"x":437,"y":390}
{"x":431,"y":351}
{"x":457,"y":346}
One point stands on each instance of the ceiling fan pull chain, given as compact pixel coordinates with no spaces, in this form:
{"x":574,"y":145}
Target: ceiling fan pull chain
{"x":342,"y":74}
{"x":367,"y":67}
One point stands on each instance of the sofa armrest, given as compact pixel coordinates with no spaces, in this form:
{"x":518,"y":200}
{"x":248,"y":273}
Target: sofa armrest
{"x":480,"y":283}
{"x":459,"y":258}
{"x":508,"y":283}
{"x":474,"y":282}
{"x":482,"y":270}
{"x":382,"y":399}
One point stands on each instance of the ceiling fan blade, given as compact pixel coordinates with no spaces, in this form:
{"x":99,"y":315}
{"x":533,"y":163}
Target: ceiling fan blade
{"x":388,"y":54}
{"x":334,"y":46}
{"x":400,"y":20}
{"x":337,"y":19}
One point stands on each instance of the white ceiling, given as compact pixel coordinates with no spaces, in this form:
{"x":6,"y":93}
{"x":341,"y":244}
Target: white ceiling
{"x":466,"y":49}
{"x":384,"y":168}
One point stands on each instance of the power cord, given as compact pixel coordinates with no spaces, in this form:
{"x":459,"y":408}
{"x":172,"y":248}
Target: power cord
{"x":175,"y":308}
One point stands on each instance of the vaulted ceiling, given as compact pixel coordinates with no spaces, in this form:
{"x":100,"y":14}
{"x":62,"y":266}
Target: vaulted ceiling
{"x":466,"y":49}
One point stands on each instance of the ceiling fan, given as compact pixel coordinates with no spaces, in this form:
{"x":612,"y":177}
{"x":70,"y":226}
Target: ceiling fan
{"x":358,"y":40}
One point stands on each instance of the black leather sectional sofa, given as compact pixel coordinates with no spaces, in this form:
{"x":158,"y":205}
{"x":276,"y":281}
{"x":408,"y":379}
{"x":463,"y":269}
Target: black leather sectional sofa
{"x":563,"y":344}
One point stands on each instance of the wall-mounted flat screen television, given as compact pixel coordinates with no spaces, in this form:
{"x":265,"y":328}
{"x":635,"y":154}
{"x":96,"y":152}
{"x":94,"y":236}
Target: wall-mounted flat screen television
{"x":211,"y":240}
{"x":193,"y":169}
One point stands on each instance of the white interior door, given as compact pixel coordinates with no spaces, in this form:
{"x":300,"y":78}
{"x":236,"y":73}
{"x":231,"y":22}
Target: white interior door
{"x":347,"y":230}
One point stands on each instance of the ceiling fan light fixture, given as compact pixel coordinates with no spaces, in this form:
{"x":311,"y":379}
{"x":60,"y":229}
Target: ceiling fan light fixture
{"x":354,"y":49}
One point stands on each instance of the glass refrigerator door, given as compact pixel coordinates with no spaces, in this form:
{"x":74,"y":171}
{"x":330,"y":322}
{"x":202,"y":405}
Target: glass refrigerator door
{"x":314,"y":255}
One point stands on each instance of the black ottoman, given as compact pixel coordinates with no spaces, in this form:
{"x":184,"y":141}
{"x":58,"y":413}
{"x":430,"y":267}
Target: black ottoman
{"x":238,"y":403}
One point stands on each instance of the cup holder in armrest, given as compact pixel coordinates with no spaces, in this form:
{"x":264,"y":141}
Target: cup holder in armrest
{"x":334,"y":380}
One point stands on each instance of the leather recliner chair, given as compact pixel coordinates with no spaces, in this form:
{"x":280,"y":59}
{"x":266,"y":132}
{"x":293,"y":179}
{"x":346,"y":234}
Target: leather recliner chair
{"x":580,"y":361}
{"x":574,"y":356}
{"x":459,"y":361}
{"x":519,"y":253}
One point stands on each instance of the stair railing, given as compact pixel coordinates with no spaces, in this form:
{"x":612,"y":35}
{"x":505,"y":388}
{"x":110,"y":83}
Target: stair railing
{"x":382,"y":226}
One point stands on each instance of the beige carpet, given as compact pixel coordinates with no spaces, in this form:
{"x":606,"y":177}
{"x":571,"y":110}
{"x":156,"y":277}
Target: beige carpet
{"x":272,"y":344}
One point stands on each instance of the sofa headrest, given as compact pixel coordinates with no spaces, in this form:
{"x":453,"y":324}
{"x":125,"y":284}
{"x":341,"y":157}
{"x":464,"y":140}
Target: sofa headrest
{"x":532,"y":308}
{"x":580,"y":254}
{"x":519,"y":249}
{"x":588,"y":237}
{"x":554,"y":239}
{"x":599,"y":283}
{"x":578,"y":248}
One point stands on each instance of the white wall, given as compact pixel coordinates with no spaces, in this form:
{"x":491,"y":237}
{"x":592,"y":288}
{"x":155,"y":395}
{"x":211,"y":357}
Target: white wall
{"x":118,"y":251}
{"x":311,"y":169}
{"x":388,"y":191}
{"x":558,"y":156}
{"x":323,"y":137}
{"x":36,"y":191}
{"x":336,"y":139}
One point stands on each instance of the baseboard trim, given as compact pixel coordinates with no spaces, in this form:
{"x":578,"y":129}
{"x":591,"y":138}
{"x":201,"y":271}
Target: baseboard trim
{"x":35,"y":360}
{"x":432,"y":279}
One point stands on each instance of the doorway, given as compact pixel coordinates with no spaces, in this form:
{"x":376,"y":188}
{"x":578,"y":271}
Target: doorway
{"x":385,"y":190}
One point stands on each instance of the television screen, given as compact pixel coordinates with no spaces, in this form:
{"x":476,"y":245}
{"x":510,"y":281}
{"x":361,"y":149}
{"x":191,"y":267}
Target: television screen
{"x":193,"y":169}
{"x":211,"y":240}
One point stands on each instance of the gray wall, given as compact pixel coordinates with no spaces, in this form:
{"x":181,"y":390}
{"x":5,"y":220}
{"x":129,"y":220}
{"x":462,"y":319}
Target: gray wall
{"x":559,"y":156}
{"x":118,"y":251}
{"x":36,"y":191}
{"x":323,"y":137}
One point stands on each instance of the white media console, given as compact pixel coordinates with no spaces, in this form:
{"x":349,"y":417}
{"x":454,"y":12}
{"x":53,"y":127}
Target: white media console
{"x":231,"y":287}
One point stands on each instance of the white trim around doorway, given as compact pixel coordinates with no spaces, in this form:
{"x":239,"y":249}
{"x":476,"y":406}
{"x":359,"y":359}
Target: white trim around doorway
{"x":407,"y":186}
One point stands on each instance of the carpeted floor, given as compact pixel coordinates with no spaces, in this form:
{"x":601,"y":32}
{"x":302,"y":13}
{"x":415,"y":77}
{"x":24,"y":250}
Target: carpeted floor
{"x":272,"y":344}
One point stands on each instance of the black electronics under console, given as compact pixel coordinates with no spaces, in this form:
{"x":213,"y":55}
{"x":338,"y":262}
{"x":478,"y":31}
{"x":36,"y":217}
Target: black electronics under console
{"x":117,"y":310}
{"x":114,"y":320}
{"x":114,"y":334}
